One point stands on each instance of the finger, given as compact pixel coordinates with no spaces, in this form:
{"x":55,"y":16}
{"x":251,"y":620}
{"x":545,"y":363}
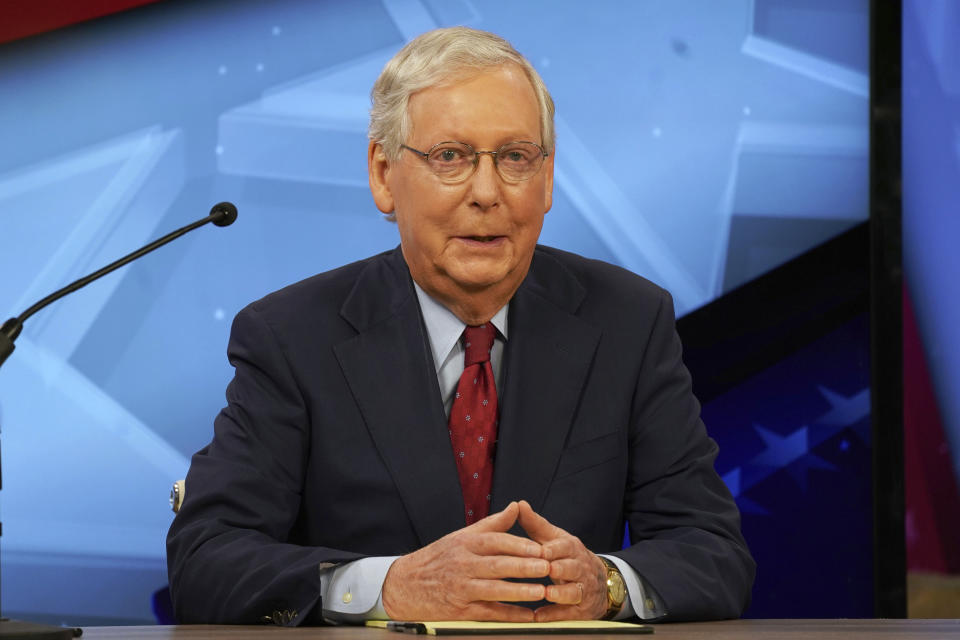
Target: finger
{"x":570,"y":593}
{"x":553,"y":612}
{"x":536,"y":526}
{"x":566,"y":546}
{"x":501,"y":544}
{"x":500,"y":521}
{"x":503,"y":591}
{"x":490,"y":567}
{"x":497,"y":612}
{"x":567,"y":570}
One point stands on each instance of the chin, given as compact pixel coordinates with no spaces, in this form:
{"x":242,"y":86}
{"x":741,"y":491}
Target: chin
{"x":473,"y":279}
{"x":477,"y":273}
{"x":477,"y":284}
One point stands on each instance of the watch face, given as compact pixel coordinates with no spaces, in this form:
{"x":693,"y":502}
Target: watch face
{"x":615,"y":587}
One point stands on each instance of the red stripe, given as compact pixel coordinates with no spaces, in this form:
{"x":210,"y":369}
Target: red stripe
{"x":23,"y":18}
{"x":932,"y":497}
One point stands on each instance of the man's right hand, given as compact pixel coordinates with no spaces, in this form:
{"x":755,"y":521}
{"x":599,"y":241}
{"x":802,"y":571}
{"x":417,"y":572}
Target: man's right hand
{"x":461,"y":575}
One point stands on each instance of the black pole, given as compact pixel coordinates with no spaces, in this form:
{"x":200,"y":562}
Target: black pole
{"x":886,"y":308}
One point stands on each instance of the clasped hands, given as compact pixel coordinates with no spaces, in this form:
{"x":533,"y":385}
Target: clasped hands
{"x":463,"y":576}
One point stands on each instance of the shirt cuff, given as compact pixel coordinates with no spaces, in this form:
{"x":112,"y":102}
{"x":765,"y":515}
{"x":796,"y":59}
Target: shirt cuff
{"x":351,"y":592}
{"x":642,"y":601}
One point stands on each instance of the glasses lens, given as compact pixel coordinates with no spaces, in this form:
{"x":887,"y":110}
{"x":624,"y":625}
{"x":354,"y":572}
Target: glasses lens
{"x":519,"y":160}
{"x":451,"y":160}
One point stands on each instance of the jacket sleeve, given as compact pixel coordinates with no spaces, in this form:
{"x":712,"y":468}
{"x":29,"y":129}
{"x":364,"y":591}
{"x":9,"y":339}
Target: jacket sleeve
{"x":229,"y":552}
{"x":684,"y":525}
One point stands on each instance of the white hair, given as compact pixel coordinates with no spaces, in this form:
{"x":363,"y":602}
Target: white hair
{"x":440,"y":57}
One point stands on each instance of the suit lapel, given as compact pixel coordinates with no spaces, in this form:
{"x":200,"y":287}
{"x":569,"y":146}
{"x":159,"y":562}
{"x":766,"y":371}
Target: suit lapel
{"x":548,"y":357}
{"x":389,"y":370}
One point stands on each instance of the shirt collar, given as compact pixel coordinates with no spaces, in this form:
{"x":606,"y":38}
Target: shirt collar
{"x":444,"y":328}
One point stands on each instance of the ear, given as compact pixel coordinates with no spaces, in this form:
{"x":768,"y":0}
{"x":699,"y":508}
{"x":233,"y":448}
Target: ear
{"x":378,"y":168}
{"x":548,"y":181}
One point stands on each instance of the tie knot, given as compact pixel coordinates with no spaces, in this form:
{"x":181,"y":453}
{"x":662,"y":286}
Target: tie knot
{"x":477,"y":342}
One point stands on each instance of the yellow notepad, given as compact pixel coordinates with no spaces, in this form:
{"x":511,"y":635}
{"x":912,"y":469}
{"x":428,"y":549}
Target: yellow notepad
{"x":459,"y":627}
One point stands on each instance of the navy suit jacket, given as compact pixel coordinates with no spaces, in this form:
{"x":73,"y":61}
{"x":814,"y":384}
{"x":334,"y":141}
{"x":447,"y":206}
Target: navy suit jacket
{"x":334,"y":445}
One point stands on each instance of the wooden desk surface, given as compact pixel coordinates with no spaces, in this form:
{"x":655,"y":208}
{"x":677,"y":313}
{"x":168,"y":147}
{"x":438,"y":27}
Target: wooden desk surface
{"x":727,"y":630}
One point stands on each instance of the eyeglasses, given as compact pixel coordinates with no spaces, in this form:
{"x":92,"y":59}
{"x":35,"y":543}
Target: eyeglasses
{"x":454,"y":162}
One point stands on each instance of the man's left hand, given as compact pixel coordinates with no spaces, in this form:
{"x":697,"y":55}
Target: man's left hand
{"x":579,"y":591}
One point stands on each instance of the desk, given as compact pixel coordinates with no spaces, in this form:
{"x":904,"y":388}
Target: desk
{"x":726,"y":630}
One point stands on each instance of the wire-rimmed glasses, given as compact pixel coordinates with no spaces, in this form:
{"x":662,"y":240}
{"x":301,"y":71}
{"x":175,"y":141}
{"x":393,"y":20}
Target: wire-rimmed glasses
{"x":453,"y":161}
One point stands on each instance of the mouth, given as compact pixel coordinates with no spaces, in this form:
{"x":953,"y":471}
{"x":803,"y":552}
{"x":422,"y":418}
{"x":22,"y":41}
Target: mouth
{"x":479,"y":242}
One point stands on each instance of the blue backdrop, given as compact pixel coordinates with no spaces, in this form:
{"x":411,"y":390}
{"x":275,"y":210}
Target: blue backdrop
{"x":931,"y":195}
{"x":699,"y":144}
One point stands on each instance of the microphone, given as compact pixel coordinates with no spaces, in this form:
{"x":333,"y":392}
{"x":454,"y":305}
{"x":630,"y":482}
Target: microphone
{"x":222,"y":214}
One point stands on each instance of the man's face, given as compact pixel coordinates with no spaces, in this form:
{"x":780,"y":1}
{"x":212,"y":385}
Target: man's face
{"x":476,"y":236}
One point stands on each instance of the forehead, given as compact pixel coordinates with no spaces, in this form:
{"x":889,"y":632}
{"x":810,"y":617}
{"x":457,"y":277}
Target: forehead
{"x":491,"y":106}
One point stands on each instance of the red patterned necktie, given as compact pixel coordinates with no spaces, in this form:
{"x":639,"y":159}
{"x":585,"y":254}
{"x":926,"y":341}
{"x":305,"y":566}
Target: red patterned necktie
{"x":473,"y":421}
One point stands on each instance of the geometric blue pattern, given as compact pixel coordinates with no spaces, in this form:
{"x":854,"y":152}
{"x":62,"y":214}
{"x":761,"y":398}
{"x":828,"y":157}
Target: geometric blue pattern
{"x":793,"y":451}
{"x":699,"y":144}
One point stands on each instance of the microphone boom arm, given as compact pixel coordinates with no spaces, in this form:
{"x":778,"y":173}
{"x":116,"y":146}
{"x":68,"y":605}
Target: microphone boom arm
{"x":221,"y":214}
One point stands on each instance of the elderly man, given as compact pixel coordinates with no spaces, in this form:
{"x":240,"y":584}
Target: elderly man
{"x":455,"y":428}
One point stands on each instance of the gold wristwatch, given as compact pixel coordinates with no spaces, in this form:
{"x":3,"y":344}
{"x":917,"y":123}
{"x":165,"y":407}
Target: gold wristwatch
{"x":616,"y":590}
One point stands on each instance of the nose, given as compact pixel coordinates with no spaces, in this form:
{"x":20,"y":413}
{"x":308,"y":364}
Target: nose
{"x":485,"y":183}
